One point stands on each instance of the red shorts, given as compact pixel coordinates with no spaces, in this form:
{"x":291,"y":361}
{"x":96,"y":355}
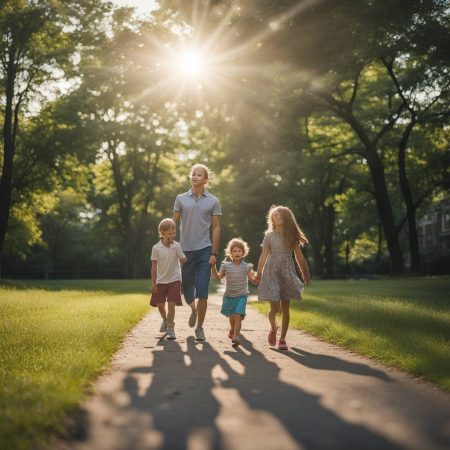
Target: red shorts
{"x":170,"y":292}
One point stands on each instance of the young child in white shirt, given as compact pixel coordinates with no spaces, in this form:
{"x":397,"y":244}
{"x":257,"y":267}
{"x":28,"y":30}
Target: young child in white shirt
{"x":166,"y":276}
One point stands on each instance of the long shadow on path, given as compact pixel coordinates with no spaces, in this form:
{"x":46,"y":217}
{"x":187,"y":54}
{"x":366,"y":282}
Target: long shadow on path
{"x":308,"y":422}
{"x":179,"y":397}
{"x":331,"y":363}
{"x":186,"y":408}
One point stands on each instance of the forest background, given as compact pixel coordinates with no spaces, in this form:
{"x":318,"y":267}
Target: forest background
{"x":337,"y":109}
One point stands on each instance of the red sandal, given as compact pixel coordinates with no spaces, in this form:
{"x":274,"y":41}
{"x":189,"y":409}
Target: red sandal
{"x":272,"y":338}
{"x":231,"y":334}
{"x":282,"y":345}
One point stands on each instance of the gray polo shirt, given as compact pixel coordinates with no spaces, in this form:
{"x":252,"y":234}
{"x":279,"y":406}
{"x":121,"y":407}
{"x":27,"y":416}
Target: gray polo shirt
{"x":196,"y":219}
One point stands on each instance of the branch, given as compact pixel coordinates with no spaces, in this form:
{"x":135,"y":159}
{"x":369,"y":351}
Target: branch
{"x":335,"y":105}
{"x":355,"y":86}
{"x":415,"y":206}
{"x":390,"y":69}
{"x":388,"y":126}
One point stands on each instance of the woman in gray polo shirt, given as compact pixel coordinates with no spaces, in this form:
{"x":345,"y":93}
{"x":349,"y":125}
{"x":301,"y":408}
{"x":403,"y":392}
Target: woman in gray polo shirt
{"x":199,"y":213}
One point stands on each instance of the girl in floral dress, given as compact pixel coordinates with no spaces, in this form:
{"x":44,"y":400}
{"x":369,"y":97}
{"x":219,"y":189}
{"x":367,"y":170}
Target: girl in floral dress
{"x":278,"y":279}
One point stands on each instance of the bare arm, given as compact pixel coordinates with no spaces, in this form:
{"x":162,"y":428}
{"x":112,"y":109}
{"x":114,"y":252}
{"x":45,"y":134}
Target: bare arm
{"x":251,"y":277}
{"x":154,"y":274}
{"x":302,"y":264}
{"x":217,"y":275}
{"x":262,"y":262}
{"x":181,"y":256}
{"x":176,"y":216}
{"x":215,"y":238}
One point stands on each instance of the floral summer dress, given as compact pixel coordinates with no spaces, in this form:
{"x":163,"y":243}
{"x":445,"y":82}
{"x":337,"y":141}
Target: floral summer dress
{"x":279,"y":280}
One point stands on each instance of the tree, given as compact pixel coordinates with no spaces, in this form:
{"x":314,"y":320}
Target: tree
{"x":37,"y":42}
{"x":343,"y":72}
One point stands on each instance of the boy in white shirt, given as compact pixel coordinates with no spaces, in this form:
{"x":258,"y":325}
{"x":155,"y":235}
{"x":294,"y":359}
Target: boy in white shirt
{"x":166,"y":276}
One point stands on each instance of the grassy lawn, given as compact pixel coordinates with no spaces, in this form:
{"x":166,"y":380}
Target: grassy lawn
{"x":55,"y":337}
{"x":402,"y":322}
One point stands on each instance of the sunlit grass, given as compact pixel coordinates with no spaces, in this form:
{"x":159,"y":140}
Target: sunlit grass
{"x":403,"y":323}
{"x":52,"y":345}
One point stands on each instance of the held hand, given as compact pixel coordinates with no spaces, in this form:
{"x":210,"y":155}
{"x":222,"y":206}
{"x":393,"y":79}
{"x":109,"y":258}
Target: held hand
{"x":183,"y":260}
{"x":212,"y":260}
{"x":214,"y":272}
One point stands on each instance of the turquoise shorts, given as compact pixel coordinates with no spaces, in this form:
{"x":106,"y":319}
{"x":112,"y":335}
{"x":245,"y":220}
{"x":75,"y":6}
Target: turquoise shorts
{"x":234,"y":305}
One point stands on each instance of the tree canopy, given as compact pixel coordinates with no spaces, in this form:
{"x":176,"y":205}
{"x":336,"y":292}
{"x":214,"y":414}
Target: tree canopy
{"x":338,"y":110}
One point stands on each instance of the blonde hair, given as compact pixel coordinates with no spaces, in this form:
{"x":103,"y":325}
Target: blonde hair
{"x":292,"y":234}
{"x":236,"y":242}
{"x":165,"y":225}
{"x":205,"y":169}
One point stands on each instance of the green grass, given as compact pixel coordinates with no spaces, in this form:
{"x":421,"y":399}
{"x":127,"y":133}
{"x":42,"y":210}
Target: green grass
{"x":55,"y":338}
{"x":403,"y":323}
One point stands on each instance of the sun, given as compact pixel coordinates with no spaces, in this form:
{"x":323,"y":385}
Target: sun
{"x":190,"y":63}
{"x":197,"y":66}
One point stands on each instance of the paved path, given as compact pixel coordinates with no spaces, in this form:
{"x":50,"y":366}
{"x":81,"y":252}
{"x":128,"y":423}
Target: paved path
{"x":181,"y":394}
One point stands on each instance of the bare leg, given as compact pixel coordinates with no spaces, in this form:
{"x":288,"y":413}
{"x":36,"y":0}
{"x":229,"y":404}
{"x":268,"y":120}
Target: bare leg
{"x":171,"y":312}
{"x":202,"y":305}
{"x":193,"y":306}
{"x":162,"y":310}
{"x":237,"y":325}
{"x":274,"y":308}
{"x":232,"y":322}
{"x":285,"y":317}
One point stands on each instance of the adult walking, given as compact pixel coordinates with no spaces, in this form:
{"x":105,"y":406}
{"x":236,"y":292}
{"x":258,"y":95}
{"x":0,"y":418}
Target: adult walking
{"x":199,"y":212}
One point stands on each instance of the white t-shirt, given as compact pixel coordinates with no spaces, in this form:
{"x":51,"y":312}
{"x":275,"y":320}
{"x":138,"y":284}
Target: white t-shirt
{"x":168,"y":259}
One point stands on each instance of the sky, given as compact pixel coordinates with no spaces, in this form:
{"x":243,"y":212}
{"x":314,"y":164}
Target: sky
{"x":143,"y":6}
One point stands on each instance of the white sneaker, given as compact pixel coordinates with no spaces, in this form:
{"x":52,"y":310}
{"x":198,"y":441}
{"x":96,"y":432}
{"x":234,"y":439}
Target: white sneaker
{"x":163,"y":327}
{"x":199,"y":334}
{"x":171,"y":332}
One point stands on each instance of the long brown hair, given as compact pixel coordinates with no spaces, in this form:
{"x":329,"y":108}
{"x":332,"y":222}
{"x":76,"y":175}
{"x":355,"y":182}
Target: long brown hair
{"x":292,"y":234}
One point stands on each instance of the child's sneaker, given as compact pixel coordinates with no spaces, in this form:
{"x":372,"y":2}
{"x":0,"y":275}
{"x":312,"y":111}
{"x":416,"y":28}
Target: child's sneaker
{"x":163,"y":327}
{"x":282,"y":345}
{"x":272,"y":338}
{"x":171,"y":331}
{"x":199,"y":334}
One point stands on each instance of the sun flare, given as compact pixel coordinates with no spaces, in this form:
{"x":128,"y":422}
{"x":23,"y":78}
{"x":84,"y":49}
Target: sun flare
{"x":191,"y":63}
{"x":201,"y":66}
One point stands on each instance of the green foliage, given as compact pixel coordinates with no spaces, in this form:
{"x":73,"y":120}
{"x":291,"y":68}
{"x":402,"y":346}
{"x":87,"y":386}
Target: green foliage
{"x":292,"y":115}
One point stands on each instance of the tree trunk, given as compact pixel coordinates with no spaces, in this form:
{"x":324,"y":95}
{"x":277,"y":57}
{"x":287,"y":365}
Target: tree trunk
{"x":347,"y":257}
{"x":385,"y":210}
{"x":317,"y":256}
{"x":381,"y":193}
{"x":8,"y":158}
{"x":329,"y":232}
{"x":407,"y":196}
{"x":379,"y":245}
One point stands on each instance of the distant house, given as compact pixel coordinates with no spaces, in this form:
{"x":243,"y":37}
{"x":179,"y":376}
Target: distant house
{"x":434,"y":238}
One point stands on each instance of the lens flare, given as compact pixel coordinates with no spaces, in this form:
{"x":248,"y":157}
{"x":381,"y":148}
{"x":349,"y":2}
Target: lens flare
{"x":191,"y":64}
